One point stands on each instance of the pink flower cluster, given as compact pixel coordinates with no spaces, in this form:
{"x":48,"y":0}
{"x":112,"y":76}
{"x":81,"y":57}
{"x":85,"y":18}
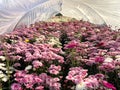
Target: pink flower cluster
{"x":89,"y":54}
{"x":76,"y":74}
{"x":53,"y":83}
{"x":95,"y":49}
{"x":28,"y":80}
{"x":54,"y":69}
{"x":72,"y":44}
{"x":16,"y":86}
{"x":33,"y":81}
{"x":32,"y":52}
{"x":95,"y":82}
{"x":108,"y":85}
{"x":20,"y":34}
{"x":37,"y":64}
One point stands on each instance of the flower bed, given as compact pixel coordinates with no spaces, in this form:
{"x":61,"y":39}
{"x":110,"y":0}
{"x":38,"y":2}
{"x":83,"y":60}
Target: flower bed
{"x":74,"y":55}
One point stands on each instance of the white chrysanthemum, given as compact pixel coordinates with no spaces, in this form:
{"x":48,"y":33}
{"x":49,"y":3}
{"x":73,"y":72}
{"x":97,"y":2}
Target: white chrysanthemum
{"x":40,"y":38}
{"x":81,"y":86}
{"x":28,"y":67}
{"x":2,"y":75}
{"x":118,"y":59}
{"x":2,"y":64}
{"x":1,"y":72}
{"x":54,"y":41}
{"x":4,"y":79}
{"x":117,"y":56}
{"x":2,"y":67}
{"x":9,"y":72}
{"x":11,"y":69}
{"x":108,"y":59}
{"x":2,"y":58}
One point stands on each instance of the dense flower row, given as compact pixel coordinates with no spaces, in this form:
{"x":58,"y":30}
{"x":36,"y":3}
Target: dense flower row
{"x":34,"y":59}
{"x":92,"y":82}
{"x":74,"y":55}
{"x":97,"y":50}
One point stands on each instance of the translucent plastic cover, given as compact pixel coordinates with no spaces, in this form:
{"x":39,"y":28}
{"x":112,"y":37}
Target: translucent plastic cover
{"x":95,"y":11}
{"x":24,"y":12}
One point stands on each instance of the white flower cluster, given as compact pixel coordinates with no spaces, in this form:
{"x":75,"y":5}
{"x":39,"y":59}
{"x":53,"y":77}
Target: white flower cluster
{"x":54,"y":41}
{"x":81,"y":86}
{"x":40,"y":39}
{"x":4,"y":70}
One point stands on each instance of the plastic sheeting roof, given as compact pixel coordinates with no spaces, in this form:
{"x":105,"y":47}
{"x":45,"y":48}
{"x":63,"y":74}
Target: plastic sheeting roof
{"x":19,"y":12}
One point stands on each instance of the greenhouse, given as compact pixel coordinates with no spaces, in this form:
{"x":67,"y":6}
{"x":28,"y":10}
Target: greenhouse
{"x":59,"y":45}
